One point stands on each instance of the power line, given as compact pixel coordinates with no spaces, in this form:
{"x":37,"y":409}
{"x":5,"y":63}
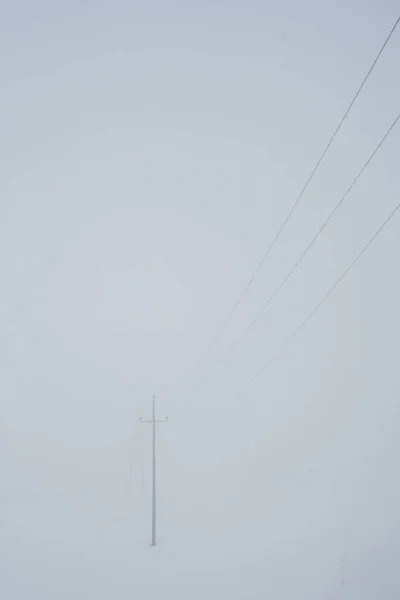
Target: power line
{"x":321,"y":302}
{"x":288,"y":216}
{"x":320,"y":230}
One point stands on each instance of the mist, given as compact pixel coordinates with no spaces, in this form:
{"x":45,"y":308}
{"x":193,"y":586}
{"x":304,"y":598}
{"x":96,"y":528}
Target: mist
{"x":149,"y":155}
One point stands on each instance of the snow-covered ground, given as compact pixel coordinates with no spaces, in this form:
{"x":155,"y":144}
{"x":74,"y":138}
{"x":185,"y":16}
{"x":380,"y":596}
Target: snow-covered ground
{"x":215,"y":541}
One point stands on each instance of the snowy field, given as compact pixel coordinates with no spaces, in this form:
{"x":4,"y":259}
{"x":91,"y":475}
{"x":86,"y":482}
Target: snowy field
{"x":215,"y":541}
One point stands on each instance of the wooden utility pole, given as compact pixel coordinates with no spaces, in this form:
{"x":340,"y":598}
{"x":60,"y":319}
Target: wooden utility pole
{"x":154,"y":422}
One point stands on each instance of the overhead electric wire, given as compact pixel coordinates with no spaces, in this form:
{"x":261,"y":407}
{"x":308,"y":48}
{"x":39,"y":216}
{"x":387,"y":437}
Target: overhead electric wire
{"x":320,"y":230}
{"x":288,"y":216}
{"x":325,"y":297}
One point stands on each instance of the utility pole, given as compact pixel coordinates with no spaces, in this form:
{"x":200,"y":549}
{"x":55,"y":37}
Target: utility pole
{"x":154,"y":422}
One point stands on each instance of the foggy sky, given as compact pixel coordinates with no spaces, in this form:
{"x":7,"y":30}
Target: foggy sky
{"x":149,"y":153}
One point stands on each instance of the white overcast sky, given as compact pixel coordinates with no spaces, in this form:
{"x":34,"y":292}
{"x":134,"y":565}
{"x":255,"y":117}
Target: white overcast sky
{"x":149,"y":152}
